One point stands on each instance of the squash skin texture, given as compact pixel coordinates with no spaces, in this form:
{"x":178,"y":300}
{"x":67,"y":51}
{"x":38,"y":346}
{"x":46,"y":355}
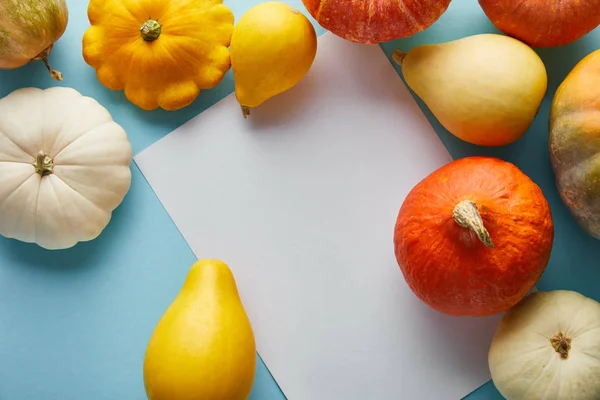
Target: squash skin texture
{"x":543,"y":23}
{"x":375,"y":21}
{"x":446,"y":266}
{"x":574,"y":142}
{"x":191,"y":54}
{"x":28,"y":27}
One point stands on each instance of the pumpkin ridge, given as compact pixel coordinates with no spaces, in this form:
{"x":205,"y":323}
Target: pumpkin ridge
{"x":189,"y":67}
{"x":35,"y":215}
{"x":521,"y":355}
{"x":540,"y":376}
{"x":108,"y":205}
{"x":200,"y":56}
{"x":130,"y":13}
{"x":579,"y":334}
{"x":16,"y":145}
{"x":56,"y":199}
{"x":14,"y":162}
{"x":218,"y":12}
{"x":107,"y":53}
{"x":409,"y":14}
{"x":68,"y":144}
{"x":23,"y":208}
{"x":80,"y":195}
{"x":569,"y":169}
{"x":585,"y":353}
{"x":550,"y":386}
{"x":16,"y":189}
{"x":573,"y":317}
{"x":322,"y":4}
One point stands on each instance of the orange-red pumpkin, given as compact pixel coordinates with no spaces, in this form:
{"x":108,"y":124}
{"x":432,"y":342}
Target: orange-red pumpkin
{"x":375,"y":21}
{"x":543,"y":23}
{"x":474,"y":237}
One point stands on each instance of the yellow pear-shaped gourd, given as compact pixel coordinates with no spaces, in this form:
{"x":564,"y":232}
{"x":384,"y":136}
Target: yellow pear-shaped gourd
{"x":272,"y":48}
{"x":203,"y":347}
{"x":485,"y":89}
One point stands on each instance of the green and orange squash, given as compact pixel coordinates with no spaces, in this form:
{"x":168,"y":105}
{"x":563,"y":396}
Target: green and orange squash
{"x":28,"y":31}
{"x":574,"y":142}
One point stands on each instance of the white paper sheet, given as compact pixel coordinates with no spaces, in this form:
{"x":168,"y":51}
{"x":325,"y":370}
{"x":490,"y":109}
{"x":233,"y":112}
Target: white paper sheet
{"x":301,"y":200}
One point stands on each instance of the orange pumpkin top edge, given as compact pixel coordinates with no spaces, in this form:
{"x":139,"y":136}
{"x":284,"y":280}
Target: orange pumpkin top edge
{"x":543,"y":23}
{"x":161,"y":53}
{"x":449,"y":266}
{"x":375,"y":21}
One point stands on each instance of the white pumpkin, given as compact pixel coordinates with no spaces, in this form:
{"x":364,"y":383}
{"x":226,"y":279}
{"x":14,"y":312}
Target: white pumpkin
{"x":64,"y":167}
{"x":548,"y":348}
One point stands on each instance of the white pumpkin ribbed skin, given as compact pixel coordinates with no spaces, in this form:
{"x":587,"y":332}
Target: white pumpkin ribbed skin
{"x":92,"y":157}
{"x":522,"y":361}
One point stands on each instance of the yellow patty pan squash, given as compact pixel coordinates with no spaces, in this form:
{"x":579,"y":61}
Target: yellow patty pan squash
{"x":162,"y":53}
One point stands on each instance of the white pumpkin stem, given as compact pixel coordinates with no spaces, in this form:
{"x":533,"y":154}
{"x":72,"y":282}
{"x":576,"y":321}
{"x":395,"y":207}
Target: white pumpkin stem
{"x":44,"y":164}
{"x":561,"y":344}
{"x":466,"y":214}
{"x":56,"y":75}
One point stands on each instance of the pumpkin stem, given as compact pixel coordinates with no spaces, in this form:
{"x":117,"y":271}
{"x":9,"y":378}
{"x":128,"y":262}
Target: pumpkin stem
{"x":466,"y":214}
{"x":44,"y":164}
{"x":56,"y":75}
{"x":150,"y":30}
{"x":561,"y":344}
{"x":245,"y":111}
{"x":398,"y":56}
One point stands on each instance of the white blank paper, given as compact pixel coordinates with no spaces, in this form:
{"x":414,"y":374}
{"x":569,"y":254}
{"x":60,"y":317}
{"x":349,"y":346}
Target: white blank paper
{"x":300,"y":200}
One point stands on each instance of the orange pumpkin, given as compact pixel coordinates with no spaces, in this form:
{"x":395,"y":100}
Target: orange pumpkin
{"x":474,"y":237}
{"x":375,"y":21}
{"x":543,"y":23}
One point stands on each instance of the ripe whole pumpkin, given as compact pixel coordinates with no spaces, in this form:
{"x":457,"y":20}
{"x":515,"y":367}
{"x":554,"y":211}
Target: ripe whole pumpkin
{"x":375,"y":21}
{"x":474,"y":237}
{"x":543,"y":23}
{"x":548,"y":347}
{"x":28,"y":31}
{"x":574,"y":142}
{"x":160,"y":53}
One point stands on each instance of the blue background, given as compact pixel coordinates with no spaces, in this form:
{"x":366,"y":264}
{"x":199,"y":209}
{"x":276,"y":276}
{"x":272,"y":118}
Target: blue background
{"x":74,"y":324}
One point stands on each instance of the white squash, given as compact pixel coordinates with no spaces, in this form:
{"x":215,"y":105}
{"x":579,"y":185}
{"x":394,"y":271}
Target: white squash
{"x":64,"y":167}
{"x":548,"y":348}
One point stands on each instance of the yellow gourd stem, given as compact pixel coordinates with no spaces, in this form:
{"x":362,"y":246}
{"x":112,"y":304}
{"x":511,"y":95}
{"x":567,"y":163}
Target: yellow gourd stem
{"x":245,"y":111}
{"x":466,"y":214}
{"x":398,"y":56}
